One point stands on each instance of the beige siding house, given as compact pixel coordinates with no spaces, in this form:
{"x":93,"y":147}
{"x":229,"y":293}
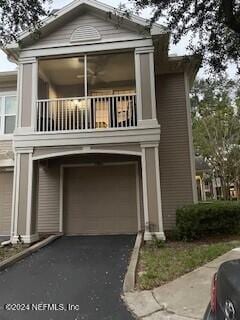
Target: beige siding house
{"x":95,"y":128}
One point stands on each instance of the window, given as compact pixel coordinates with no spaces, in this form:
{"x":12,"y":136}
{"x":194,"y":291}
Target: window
{"x":8,"y":109}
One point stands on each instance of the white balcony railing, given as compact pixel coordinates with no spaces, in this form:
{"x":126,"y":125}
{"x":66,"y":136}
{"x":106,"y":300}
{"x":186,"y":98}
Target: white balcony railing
{"x":84,"y":113}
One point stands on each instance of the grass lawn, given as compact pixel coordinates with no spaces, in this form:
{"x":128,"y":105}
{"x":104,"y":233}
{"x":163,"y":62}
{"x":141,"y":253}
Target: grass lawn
{"x":158,"y":266}
{"x":9,"y":251}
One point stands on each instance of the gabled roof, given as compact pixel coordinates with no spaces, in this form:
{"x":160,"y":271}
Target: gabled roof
{"x":54,"y":19}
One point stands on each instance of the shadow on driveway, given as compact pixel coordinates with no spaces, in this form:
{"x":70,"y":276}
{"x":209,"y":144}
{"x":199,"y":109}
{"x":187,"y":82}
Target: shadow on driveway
{"x":84,"y":271}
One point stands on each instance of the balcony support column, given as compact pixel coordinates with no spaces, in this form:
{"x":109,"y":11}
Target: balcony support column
{"x":24,"y":205}
{"x":145,"y":86}
{"x":152,"y":200}
{"x":27,"y":95}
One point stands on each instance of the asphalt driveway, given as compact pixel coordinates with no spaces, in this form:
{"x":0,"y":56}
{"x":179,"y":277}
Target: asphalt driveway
{"x":85,"y":272}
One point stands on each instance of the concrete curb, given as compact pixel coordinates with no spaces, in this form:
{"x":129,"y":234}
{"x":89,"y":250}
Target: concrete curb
{"x":130,"y":278}
{"x":23,"y":254}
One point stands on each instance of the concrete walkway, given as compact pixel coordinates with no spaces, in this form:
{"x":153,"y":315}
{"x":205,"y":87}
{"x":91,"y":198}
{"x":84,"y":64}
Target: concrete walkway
{"x":185,"y":298}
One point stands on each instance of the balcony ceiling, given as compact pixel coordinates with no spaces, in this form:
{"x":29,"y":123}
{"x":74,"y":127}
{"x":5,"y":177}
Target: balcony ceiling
{"x":101,"y":69}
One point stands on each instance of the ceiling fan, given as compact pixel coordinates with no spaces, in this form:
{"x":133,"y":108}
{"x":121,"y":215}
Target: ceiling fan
{"x":94,"y":72}
{"x":93,"y":75}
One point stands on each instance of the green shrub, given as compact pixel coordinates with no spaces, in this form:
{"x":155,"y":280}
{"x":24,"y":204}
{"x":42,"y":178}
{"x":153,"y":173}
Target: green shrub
{"x":208,"y":219}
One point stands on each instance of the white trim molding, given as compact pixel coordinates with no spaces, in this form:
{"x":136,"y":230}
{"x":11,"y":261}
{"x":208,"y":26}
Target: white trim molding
{"x":29,"y":195}
{"x":148,"y":236}
{"x":12,"y":231}
{"x":34,"y":93}
{"x":138,"y":86}
{"x":19,"y":96}
{"x":61,"y":203}
{"x":70,"y":48}
{"x":159,"y":192}
{"x":16,"y":187}
{"x":24,"y":150}
{"x":143,"y":50}
{"x":4,"y":114}
{"x":86,"y":151}
{"x":152,"y":84}
{"x":145,"y":191}
{"x":88,"y":137}
{"x":7,"y":163}
{"x":16,"y":194}
{"x":6,"y":137}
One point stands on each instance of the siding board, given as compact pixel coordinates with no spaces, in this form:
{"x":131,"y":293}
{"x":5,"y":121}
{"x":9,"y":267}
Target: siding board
{"x":48,"y":200}
{"x":175,"y":164}
{"x":6,"y":146}
{"x":6,"y":187}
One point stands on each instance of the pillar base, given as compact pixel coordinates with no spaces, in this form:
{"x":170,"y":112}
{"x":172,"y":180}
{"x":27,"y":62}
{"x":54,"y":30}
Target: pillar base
{"x":148,"y":123}
{"x":26,"y":238}
{"x":148,"y":236}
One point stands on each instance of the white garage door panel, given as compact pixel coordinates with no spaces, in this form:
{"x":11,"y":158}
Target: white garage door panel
{"x":6,"y":186}
{"x":100,"y":200}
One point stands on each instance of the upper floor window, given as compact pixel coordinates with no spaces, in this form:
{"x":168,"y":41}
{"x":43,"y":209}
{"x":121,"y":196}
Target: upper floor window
{"x":8,"y":110}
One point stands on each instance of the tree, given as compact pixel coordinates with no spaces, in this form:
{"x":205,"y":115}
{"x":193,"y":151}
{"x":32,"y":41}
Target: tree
{"x":16,"y":16}
{"x":216,"y":129}
{"x":214,"y":26}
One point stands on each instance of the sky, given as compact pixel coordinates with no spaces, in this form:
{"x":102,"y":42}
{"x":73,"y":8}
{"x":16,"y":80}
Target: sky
{"x":179,"y":49}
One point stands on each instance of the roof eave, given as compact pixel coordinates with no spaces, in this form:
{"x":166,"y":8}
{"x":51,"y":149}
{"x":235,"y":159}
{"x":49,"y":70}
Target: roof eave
{"x":191,"y":65}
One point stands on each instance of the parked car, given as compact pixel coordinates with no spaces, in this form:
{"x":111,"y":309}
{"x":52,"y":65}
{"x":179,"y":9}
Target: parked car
{"x":225,"y":293}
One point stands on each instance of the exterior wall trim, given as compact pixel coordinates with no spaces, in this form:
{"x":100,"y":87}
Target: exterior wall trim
{"x":149,"y":235}
{"x":84,"y":151}
{"x":19,"y":99}
{"x":149,"y":49}
{"x":62,"y":167}
{"x":145,"y":192}
{"x":138,"y":86}
{"x":6,"y":163}
{"x":29,"y":198}
{"x":13,"y":198}
{"x":6,"y":137}
{"x":25,"y":150}
{"x":16,"y":193}
{"x":190,"y":139}
{"x":153,"y":89}
{"x":34,"y":93}
{"x":138,"y":197}
{"x":86,"y":48}
{"x":135,"y":135}
{"x":159,"y":193}
{"x":8,"y":93}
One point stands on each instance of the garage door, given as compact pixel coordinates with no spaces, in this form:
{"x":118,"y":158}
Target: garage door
{"x":6,"y":186}
{"x":100,"y":200}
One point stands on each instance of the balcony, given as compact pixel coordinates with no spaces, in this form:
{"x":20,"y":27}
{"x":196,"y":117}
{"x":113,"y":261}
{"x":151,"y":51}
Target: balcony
{"x":86,"y":113}
{"x":89,"y":92}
